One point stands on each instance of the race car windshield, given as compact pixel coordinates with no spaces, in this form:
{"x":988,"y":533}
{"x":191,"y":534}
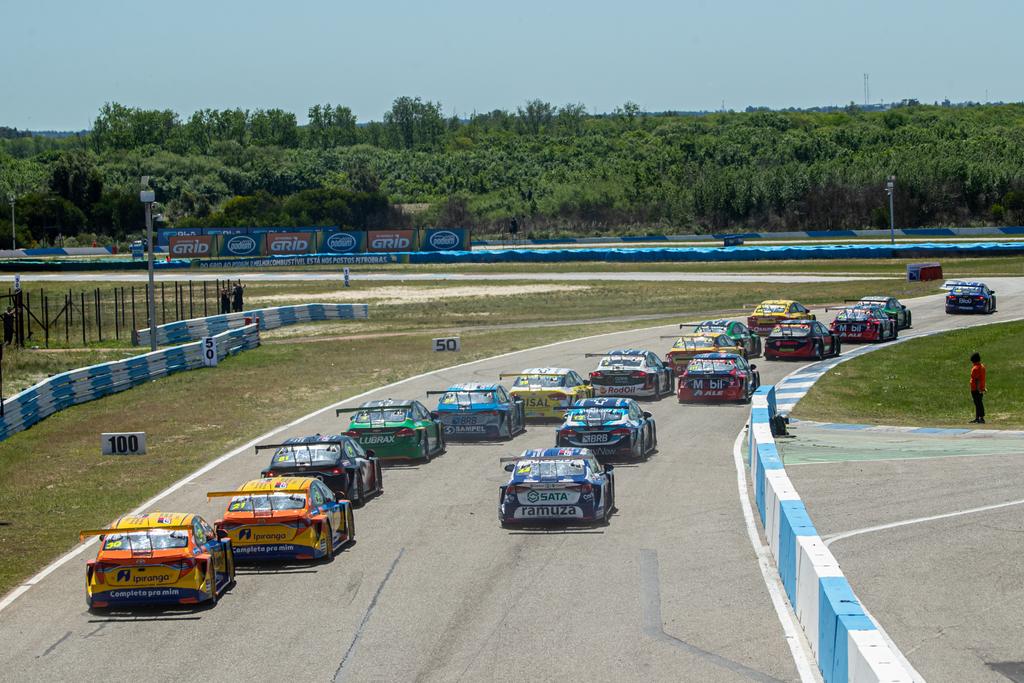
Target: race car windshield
{"x":771,"y":308}
{"x":967,"y":290}
{"x":596,"y":415}
{"x":855,"y":314}
{"x":145,"y":541}
{"x":711,"y":327}
{"x":383,"y":415}
{"x":693,"y":342}
{"x":539,"y":380}
{"x":550,"y":468}
{"x":469,"y":398}
{"x":625,"y":361}
{"x":302,"y":455}
{"x":706,"y":365}
{"x":791,"y":331}
{"x":263,"y":502}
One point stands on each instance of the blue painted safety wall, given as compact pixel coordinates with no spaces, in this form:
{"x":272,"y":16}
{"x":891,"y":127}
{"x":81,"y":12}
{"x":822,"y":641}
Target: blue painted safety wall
{"x":846,"y":642}
{"x":66,"y":389}
{"x":269,"y":318}
{"x":745,"y":253}
{"x":786,"y":235}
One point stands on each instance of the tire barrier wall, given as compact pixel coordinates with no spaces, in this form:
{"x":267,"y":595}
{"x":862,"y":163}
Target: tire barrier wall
{"x":792,"y":235}
{"x":845,"y":640}
{"x":269,"y":318}
{"x":66,"y":389}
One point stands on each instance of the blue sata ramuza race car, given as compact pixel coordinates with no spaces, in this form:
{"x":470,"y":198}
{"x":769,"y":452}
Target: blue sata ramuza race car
{"x":971,"y":297}
{"x":556,"y":484}
{"x":479,"y":411}
{"x":609,"y":427}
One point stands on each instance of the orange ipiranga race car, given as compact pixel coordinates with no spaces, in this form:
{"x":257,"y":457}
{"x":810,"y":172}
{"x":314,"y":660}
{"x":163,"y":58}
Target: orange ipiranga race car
{"x":159,"y":558}
{"x":286,"y":518}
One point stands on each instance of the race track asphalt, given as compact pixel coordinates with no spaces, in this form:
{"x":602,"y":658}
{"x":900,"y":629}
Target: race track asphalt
{"x":434,"y":589}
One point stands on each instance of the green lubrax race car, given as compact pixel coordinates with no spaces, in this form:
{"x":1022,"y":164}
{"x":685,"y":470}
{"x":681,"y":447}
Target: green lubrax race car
{"x":396,"y":430}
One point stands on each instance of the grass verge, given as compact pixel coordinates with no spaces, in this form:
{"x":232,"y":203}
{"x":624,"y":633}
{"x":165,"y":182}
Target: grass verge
{"x":924,"y":382}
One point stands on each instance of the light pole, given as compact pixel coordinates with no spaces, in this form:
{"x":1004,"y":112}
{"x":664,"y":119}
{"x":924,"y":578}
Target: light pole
{"x":147,"y":197}
{"x":890,"y":189}
{"x":11,"y":198}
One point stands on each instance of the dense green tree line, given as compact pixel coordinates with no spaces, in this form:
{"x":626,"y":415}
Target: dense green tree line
{"x":558,"y":169}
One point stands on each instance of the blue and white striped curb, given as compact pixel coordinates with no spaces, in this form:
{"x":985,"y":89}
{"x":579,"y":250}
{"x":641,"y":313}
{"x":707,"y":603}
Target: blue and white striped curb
{"x":66,"y":389}
{"x":269,"y":319}
{"x":798,"y":234}
{"x":847,"y":643}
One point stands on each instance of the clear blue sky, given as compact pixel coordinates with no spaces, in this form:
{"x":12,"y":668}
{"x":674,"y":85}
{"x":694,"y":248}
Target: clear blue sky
{"x":60,"y":60}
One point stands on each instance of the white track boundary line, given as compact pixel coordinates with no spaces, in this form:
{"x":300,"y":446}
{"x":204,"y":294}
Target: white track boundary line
{"x":20,"y":590}
{"x":798,"y":645}
{"x":829,"y":540}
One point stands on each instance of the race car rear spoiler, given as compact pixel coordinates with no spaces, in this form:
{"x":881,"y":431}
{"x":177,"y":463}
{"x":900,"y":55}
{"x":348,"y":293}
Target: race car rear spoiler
{"x":370,"y":409}
{"x":86,"y":533}
{"x":326,"y":442}
{"x":460,"y":391}
{"x":232,"y":494}
{"x":503,"y":375}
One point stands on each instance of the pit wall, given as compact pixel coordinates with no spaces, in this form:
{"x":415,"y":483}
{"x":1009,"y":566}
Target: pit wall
{"x":269,"y":318}
{"x":66,"y":389}
{"x":845,"y":640}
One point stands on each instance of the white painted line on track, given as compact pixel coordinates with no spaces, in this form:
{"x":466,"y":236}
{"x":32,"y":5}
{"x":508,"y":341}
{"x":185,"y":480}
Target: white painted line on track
{"x":798,"y":645}
{"x":17,"y":592}
{"x":832,"y":538}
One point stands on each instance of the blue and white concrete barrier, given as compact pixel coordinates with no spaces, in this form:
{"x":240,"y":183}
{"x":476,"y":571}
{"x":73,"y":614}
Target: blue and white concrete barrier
{"x":66,"y":389}
{"x":269,"y":319}
{"x":846,"y":642}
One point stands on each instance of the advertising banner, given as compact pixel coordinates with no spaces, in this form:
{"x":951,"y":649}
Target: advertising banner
{"x":279,"y":243}
{"x":163,"y":237}
{"x":391,"y":240}
{"x":183,"y":246}
{"x":341,"y":242}
{"x":225,"y":231}
{"x":445,"y":239}
{"x":241,"y":245}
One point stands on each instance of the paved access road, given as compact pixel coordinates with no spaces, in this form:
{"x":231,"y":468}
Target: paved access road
{"x":434,"y":589}
{"x":403,"y":276}
{"x":945,"y":584}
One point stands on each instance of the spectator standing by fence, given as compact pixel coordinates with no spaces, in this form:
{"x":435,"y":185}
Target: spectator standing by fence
{"x":236,"y":293}
{"x":978,"y":388}
{"x":225,"y":300}
{"x":8,"y":318}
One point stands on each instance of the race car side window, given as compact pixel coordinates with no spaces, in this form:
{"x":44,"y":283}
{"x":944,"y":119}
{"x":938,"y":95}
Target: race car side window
{"x":325,"y":492}
{"x":350,"y":450}
{"x":317,"y":494}
{"x":198,"y":533}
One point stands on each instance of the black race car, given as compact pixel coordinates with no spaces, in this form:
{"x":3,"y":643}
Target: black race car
{"x":337,"y":460}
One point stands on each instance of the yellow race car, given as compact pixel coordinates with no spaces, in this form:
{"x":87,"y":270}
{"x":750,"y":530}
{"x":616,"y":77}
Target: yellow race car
{"x":548,"y":392}
{"x":770,"y":313}
{"x":689,"y":345}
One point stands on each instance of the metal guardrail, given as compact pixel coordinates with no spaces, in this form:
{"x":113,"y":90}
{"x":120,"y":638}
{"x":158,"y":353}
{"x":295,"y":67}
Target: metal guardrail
{"x":269,"y":319}
{"x":66,"y":389}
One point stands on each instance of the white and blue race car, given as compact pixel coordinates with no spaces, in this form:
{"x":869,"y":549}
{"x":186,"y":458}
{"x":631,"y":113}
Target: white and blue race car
{"x":480,"y":411}
{"x":556,"y":484}
{"x":609,"y":427}
{"x":631,"y":372}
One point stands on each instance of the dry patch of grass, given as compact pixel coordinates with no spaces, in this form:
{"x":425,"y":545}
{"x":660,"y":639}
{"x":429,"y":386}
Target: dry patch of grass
{"x":425,"y":294}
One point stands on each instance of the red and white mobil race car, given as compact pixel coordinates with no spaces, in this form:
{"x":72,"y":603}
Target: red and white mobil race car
{"x":801,"y":339}
{"x":631,"y":373}
{"x":718,"y":377}
{"x":864,"y":324}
